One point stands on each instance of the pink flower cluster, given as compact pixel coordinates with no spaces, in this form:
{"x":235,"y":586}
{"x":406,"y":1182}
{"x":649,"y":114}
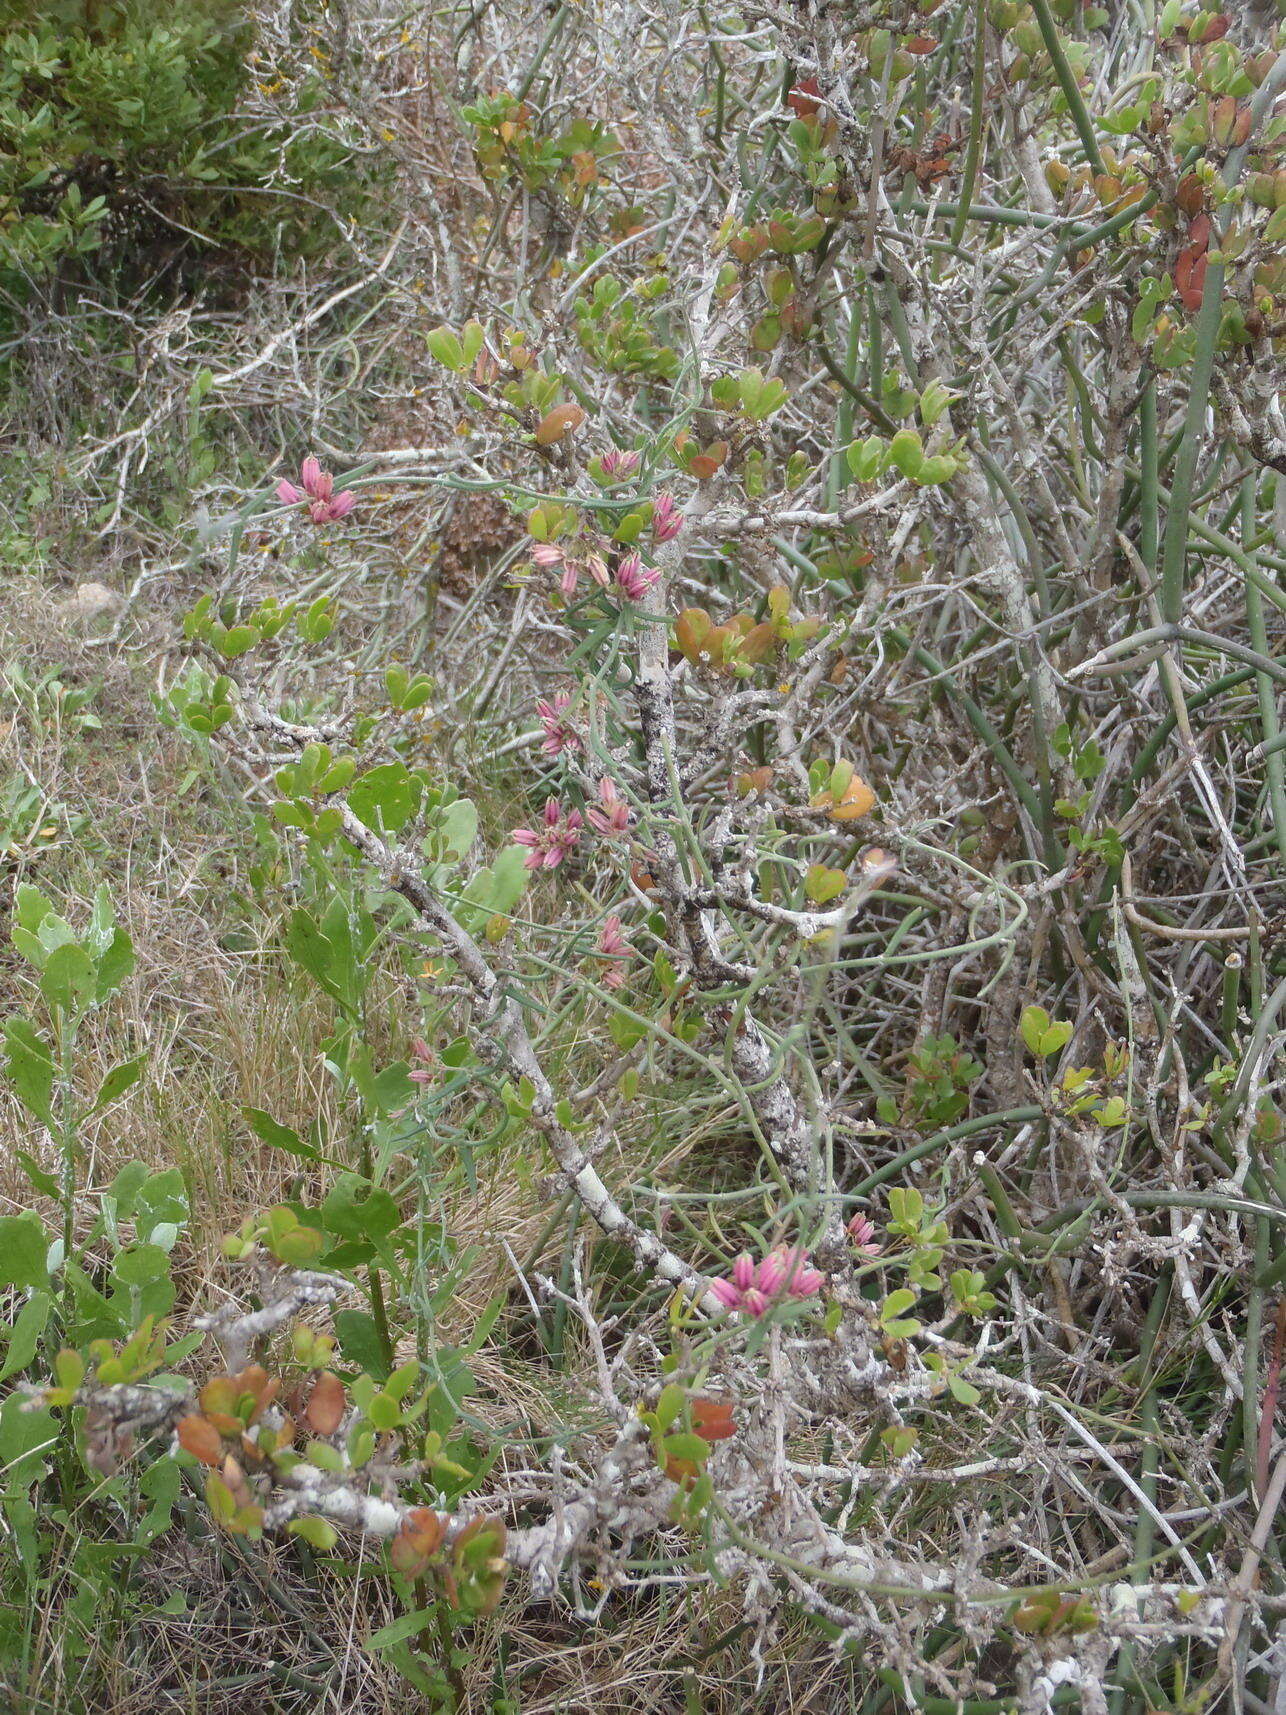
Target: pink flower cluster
{"x":862,"y":1233}
{"x":560,"y":735}
{"x":618,"y":464}
{"x":554,"y":839}
{"x":753,"y":1287}
{"x":545,"y":554}
{"x":614,"y":815}
{"x":317,"y":494}
{"x":616,"y":949}
{"x":667,"y":520}
{"x":632,"y":578}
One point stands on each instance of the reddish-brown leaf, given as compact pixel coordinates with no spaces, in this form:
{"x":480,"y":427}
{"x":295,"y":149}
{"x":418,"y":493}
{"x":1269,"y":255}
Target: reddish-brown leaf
{"x":416,"y":1542}
{"x":1190,"y":276}
{"x":756,"y":780}
{"x":325,"y":1409}
{"x":199,"y":1437}
{"x":1191,"y":195}
{"x":805,"y":98}
{"x":712,"y":1419}
{"x":691,"y":631}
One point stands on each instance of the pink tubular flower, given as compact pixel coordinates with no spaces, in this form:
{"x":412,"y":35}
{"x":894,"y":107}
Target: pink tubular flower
{"x":752,"y":1287}
{"x":799,"y":1279}
{"x":324,"y":505}
{"x":616,"y":949}
{"x":667,"y":520}
{"x":553,"y":840}
{"x":423,"y":1055}
{"x":618,"y":464}
{"x":614,"y":816}
{"x":862,"y":1233}
{"x":560,"y":735}
{"x":549,"y":558}
{"x":634,"y":579}
{"x":596,"y":566}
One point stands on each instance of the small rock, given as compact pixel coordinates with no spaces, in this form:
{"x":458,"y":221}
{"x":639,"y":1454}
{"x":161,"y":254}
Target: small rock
{"x":91,"y":605}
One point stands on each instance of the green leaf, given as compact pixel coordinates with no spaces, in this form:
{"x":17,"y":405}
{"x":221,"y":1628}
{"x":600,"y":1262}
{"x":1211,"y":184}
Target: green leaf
{"x":319,"y":621}
{"x":906,"y":451}
{"x":29,"y":1063}
{"x":118,"y":1080}
{"x":140,"y":1265}
{"x":399,"y":1630}
{"x":385,"y":798}
{"x":45,"y":1183}
{"x":238,"y":640}
{"x":330,"y":965}
{"x":866,"y":458}
{"x":456,"y":828}
{"x":686,"y":1446}
{"x":67,"y":981}
{"x":383,"y":1413}
{"x":23,"y":1248}
{"x":1033,"y":1024}
{"x":392,"y":1088}
{"x":356,"y":1209}
{"x":822,"y":884}
{"x":69,"y":1369}
{"x":495,"y":891}
{"x":670,"y":1404}
{"x":963,"y":1391}
{"x":319,"y":1533}
{"x":275,"y":1134}
{"x":939,"y":468}
{"x":359,"y":1341}
{"x":444,"y":344}
{"x":24,"y":1336}
{"x":30,"y":908}
{"x":114,"y":965}
{"x":1042,"y":1035}
{"x":934,"y":402}
{"x":27,"y":1439}
{"x":473,"y":335}
{"x":1111,"y":1113}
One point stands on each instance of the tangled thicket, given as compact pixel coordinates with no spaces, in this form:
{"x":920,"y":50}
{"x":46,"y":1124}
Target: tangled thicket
{"x":760,"y":727}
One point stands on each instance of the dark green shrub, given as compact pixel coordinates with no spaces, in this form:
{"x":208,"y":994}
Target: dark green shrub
{"x":125,"y":149}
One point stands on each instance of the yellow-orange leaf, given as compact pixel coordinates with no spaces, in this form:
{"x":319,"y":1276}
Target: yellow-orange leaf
{"x":557,"y":423}
{"x":857,"y":801}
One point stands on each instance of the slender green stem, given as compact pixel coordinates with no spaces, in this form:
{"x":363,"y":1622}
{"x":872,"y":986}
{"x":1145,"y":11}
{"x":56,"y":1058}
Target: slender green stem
{"x":1149,"y":1464}
{"x":941,"y":1139}
{"x":1068,"y":84}
{"x":1274,"y":762}
{"x":1175,"y":548}
{"x":977,"y":98}
{"x":1149,"y":516}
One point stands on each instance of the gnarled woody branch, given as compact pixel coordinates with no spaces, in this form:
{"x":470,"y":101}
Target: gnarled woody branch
{"x":626,"y":1498}
{"x":238,"y":1331}
{"x":118,"y":1417}
{"x":401,"y":872}
{"x":791,"y":1133}
{"x":608,"y":1502}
